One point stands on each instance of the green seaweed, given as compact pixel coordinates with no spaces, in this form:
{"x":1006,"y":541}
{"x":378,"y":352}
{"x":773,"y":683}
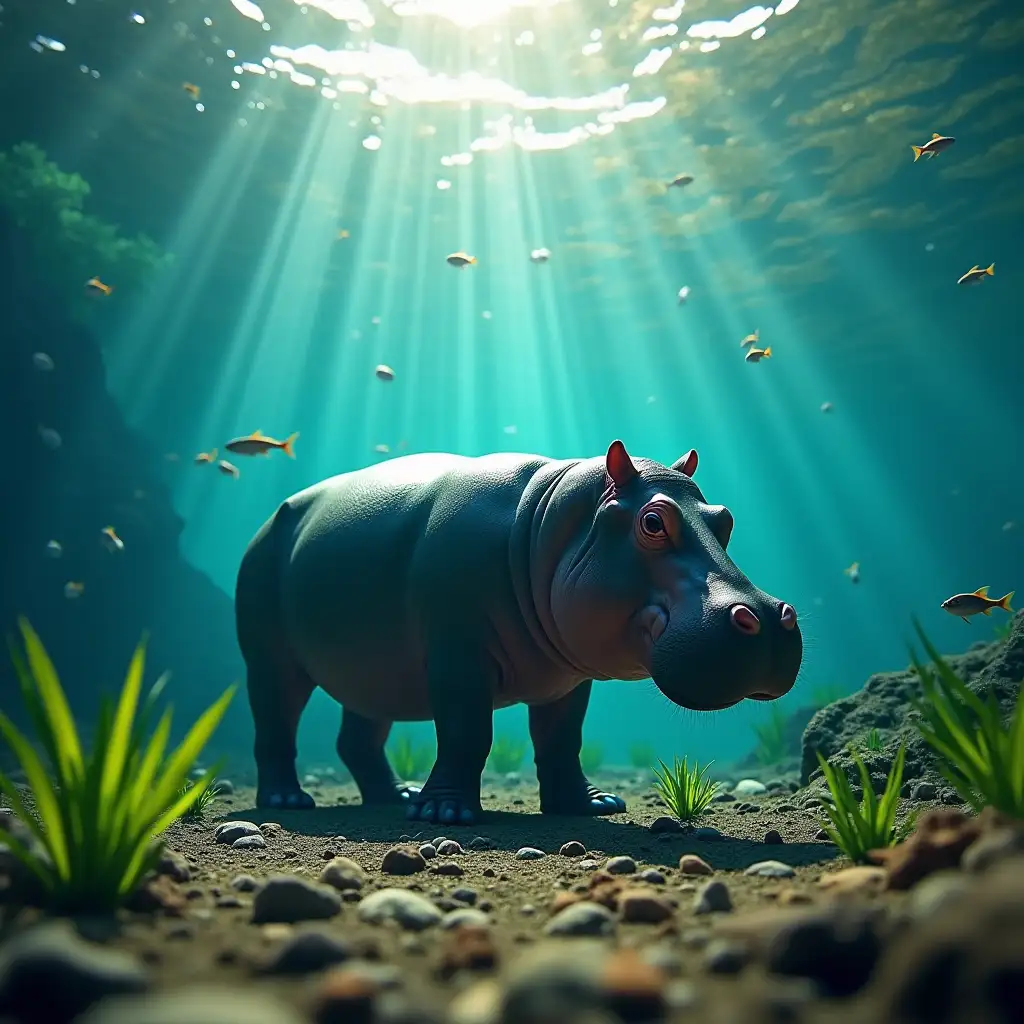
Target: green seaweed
{"x":208,"y":792}
{"x":591,"y":758}
{"x":641,"y":754}
{"x":822,"y":696}
{"x":506,"y":754}
{"x":872,"y":741}
{"x":857,"y":827}
{"x":411,"y":761}
{"x":772,"y":745}
{"x":98,"y":814}
{"x":1002,"y":630}
{"x":980,"y":757}
{"x":70,"y":245}
{"x":685,"y":791}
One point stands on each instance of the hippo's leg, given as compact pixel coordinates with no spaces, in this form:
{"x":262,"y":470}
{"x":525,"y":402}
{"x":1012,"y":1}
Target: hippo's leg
{"x":461,"y":684}
{"x":557,"y":733}
{"x":278,"y":692}
{"x":361,"y":749}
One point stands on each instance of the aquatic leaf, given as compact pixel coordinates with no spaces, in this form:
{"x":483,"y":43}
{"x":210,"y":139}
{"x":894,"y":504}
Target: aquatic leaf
{"x":684,"y":791}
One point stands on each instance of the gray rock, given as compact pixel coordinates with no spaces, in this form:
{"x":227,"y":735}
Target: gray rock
{"x":529,"y":853}
{"x":481,"y":843}
{"x":464,"y":894}
{"x":707,"y":834}
{"x":244,"y":883}
{"x":174,"y":866}
{"x":256,"y":842}
{"x":307,"y":952}
{"x":427,"y":851}
{"x":723,"y":796}
{"x":449,"y":848}
{"x":201,"y":1005}
{"x":230,"y":831}
{"x":343,"y":873}
{"x":620,"y":866}
{"x":50,"y":974}
{"x":408,"y":909}
{"x":712,"y":897}
{"x":224,"y":787}
{"x":652,"y":875}
{"x":581,"y":919}
{"x":924,"y":791}
{"x":287,"y":899}
{"x":666,"y":824}
{"x":588,"y":864}
{"x":466,"y":916}
{"x":770,"y":869}
{"x":726,"y":956}
{"x":992,"y":847}
{"x":573,"y":848}
{"x":555,"y":983}
{"x":749,"y":787}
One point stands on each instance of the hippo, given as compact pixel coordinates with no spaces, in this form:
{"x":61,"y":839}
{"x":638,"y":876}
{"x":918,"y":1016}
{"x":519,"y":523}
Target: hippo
{"x":442,"y":587}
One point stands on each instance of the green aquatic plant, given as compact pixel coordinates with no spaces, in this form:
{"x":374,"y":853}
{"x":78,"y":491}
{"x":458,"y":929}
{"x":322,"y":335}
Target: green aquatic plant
{"x":641,"y":754}
{"x":411,"y":761}
{"x":772,"y":745}
{"x":857,"y":827}
{"x":202,"y":803}
{"x":872,"y":741}
{"x":70,"y":245}
{"x":1002,"y":630}
{"x":685,"y":791}
{"x":980,"y":757}
{"x":591,"y":758}
{"x":98,"y":815}
{"x":822,"y":696}
{"x":506,"y":754}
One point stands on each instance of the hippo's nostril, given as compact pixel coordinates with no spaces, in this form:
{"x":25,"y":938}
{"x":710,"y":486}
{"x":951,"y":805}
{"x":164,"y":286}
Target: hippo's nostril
{"x":788,"y":616}
{"x":744,"y":619}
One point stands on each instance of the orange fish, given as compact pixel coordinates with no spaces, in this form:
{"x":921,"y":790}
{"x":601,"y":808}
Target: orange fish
{"x":97,"y":287}
{"x":227,"y":469}
{"x":978,"y":274}
{"x":192,"y":90}
{"x":461,"y":259}
{"x":111,"y":540}
{"x":978,"y":602}
{"x":935,"y":145}
{"x":210,"y":456}
{"x":258,"y":443}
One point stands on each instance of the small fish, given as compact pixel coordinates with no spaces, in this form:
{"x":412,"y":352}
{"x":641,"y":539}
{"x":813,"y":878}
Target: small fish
{"x":258,"y":443}
{"x":228,"y":469}
{"x":751,"y":339}
{"x":50,"y":438}
{"x":826,"y":406}
{"x":41,"y":361}
{"x":53,"y":549}
{"x":73,"y":589}
{"x":978,"y":602}
{"x":97,"y":287}
{"x":461,"y":259}
{"x":853,"y":571}
{"x":935,"y":145}
{"x":210,"y":456}
{"x":192,"y":90}
{"x":384,"y":372}
{"x":681,"y":181}
{"x":343,"y":234}
{"x":540,"y":255}
{"x":110,"y":539}
{"x":755,"y":355}
{"x":978,"y":274}
{"x":382,"y":449}
{"x":683,"y":294}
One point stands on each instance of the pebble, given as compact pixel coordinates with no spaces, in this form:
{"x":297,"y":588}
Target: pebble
{"x":713,"y":897}
{"x":287,"y":899}
{"x":402,"y":860}
{"x":342,"y":873}
{"x":205,"y":1004}
{"x":256,"y":842}
{"x":643,"y":906}
{"x":707,"y":834}
{"x":244,"y":883}
{"x":408,"y":909}
{"x":666,"y":824}
{"x":573,"y":848}
{"x":581,"y":919}
{"x":231,"y":831}
{"x":529,"y":853}
{"x":174,"y":866}
{"x":722,"y":797}
{"x":50,"y":974}
{"x":589,"y":865}
{"x":620,"y":866}
{"x":435,"y":843}
{"x":632,"y":989}
{"x":427,"y":851}
{"x":345,"y":995}
{"x":307,"y":952}
{"x":749,"y":787}
{"x":934,"y":894}
{"x":465,"y":917}
{"x":773,"y":838}
{"x":464,"y":894}
{"x":449,"y":870}
{"x":861,"y":880}
{"x":652,"y":876}
{"x":924,"y":791}
{"x":725,"y":956}
{"x":482,"y":843}
{"x":448,"y":848}
{"x":691,"y":864}
{"x":770,"y":869}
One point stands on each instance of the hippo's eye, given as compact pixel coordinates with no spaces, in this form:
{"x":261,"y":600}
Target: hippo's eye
{"x":653,"y":525}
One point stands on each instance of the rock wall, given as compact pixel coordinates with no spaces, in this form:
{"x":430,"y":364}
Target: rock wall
{"x":102,"y":474}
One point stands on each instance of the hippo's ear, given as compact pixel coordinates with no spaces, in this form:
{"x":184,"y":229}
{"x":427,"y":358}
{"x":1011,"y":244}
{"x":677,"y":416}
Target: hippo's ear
{"x":687,"y":465}
{"x":619,"y":465}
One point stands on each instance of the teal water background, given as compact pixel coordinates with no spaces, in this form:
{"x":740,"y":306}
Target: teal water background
{"x":807,"y":219}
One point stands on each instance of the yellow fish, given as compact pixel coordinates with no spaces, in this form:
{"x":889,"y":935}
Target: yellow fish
{"x":977,"y":603}
{"x":751,"y":339}
{"x":935,"y":145}
{"x":461,"y":259}
{"x":978,"y":274}
{"x":755,"y":355}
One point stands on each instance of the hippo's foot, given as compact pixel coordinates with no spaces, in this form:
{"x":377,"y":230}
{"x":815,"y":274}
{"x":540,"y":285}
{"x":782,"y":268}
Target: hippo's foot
{"x":444,"y":802}
{"x":289,"y":798}
{"x":582,"y":799}
{"x":390,"y":794}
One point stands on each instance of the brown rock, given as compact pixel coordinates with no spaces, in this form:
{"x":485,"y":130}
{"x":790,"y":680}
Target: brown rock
{"x":344,"y":996}
{"x":157,"y":894}
{"x":863,"y":880}
{"x":449,"y":869}
{"x":563,"y":900}
{"x":402,"y":860}
{"x":469,"y":948}
{"x":641,"y":905}
{"x":792,"y":897}
{"x":938,"y":842}
{"x":606,"y":890}
{"x":691,"y":864}
{"x":633,"y":989}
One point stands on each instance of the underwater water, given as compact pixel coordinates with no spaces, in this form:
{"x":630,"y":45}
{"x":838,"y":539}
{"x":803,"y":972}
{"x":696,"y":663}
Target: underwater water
{"x":307,"y":168}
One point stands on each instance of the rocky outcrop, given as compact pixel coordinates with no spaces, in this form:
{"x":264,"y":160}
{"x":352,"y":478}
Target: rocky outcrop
{"x":101,"y":474}
{"x":885,"y":704}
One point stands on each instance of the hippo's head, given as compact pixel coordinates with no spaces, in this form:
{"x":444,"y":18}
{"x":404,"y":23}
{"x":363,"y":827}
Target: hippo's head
{"x":650,"y":591}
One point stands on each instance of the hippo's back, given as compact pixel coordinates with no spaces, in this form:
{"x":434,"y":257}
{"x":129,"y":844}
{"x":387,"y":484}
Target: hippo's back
{"x":356,"y":556}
